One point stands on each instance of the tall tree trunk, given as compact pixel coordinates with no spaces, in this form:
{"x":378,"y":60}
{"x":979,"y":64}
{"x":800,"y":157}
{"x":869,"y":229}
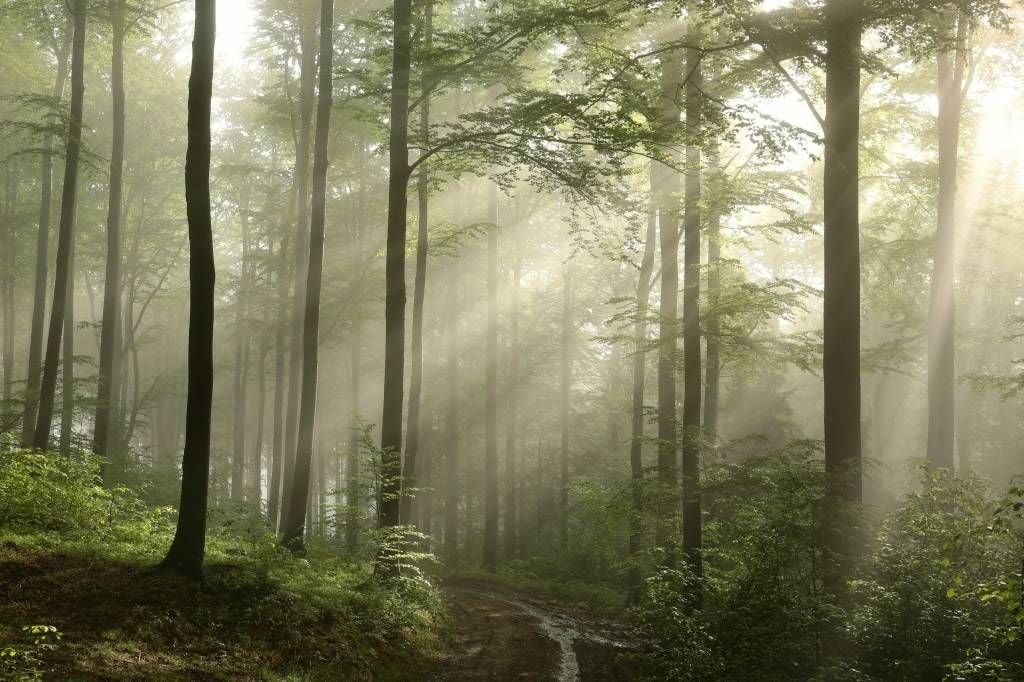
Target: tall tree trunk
{"x":294,"y":523}
{"x":188,"y":547}
{"x":35,"y":345}
{"x":490,"y":558}
{"x":636,"y":444}
{"x":307,"y":79}
{"x":511,"y":414}
{"x":451,"y":457}
{"x":47,"y":391}
{"x":941,"y":308}
{"x":692,"y":541}
{"x":277,"y":450}
{"x":112,"y":273}
{"x":394,"y":313}
{"x":713,"y":363}
{"x":666,"y":190}
{"x":241,"y":364}
{"x":412,"y":431}
{"x":67,"y":365}
{"x":564,"y":390}
{"x":841,"y":362}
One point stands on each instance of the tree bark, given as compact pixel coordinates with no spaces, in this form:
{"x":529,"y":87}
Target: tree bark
{"x":293,"y":526}
{"x":41,"y":437}
{"x":942,"y":307}
{"x":394,"y":313}
{"x":35,"y":346}
{"x":490,"y":557}
{"x":188,"y":547}
{"x":692,"y":531}
{"x":412,"y":443}
{"x":666,"y":188}
{"x":112,"y":272}
{"x":841,"y":361}
{"x":307,"y":79}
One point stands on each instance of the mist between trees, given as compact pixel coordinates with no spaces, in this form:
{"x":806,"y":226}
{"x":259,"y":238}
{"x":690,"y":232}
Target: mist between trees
{"x":710,"y":311}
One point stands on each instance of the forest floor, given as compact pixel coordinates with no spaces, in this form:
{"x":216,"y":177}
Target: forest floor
{"x":504,"y":634}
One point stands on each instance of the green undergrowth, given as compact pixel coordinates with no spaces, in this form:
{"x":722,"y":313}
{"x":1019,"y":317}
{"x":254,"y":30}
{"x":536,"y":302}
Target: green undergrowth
{"x":80,"y":597}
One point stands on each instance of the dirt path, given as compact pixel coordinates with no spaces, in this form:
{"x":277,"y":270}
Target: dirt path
{"x":504,"y":636}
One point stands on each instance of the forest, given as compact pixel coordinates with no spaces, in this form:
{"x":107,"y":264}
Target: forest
{"x":512,"y":339}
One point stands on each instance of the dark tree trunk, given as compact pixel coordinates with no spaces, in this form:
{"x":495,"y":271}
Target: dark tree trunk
{"x":842,"y":247}
{"x":666,"y":190}
{"x":412,"y":431}
{"x":394,"y":314}
{"x":35,"y":346}
{"x":293,"y":526}
{"x":636,"y":444}
{"x":941,"y":309}
{"x":47,"y":391}
{"x":692,"y":543}
{"x":188,"y":548}
{"x":307,"y":79}
{"x":112,"y":276}
{"x":451,"y":457}
{"x":277,"y":450}
{"x":511,"y":415}
{"x":490,"y":558}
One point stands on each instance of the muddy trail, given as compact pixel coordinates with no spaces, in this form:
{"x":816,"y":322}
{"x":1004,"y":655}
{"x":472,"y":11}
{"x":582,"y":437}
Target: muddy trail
{"x":503,"y":635}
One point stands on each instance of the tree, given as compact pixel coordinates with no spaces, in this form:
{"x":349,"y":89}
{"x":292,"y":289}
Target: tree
{"x":394,"y":304}
{"x":62,"y":275}
{"x":112,"y":272}
{"x":841,"y":359}
{"x":951,"y":60}
{"x":294,"y":522}
{"x":188,"y":548}
{"x":35,"y":346}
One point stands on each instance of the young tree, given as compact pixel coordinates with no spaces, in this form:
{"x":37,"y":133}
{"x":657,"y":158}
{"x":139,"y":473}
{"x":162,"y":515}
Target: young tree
{"x":62,"y":276}
{"x":188,"y":548}
{"x":294,"y":523}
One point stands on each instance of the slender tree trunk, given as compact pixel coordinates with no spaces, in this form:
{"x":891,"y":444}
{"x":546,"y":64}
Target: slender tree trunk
{"x":713,"y":366}
{"x":666,"y":189}
{"x":307,"y":79}
{"x":67,"y":365}
{"x":241,"y":364}
{"x":35,"y":346}
{"x":188,"y":548}
{"x":451,"y":457}
{"x":7,"y":285}
{"x":692,"y":541}
{"x":293,"y":527}
{"x":112,"y":276}
{"x":412,"y":444}
{"x":842,"y":247}
{"x":277,"y":450}
{"x":490,"y":558}
{"x":636,"y":444}
{"x":394,"y":314}
{"x":511,"y":414}
{"x":941,"y":308}
{"x":564,"y":391}
{"x":41,"y":437}
{"x":256,"y":477}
